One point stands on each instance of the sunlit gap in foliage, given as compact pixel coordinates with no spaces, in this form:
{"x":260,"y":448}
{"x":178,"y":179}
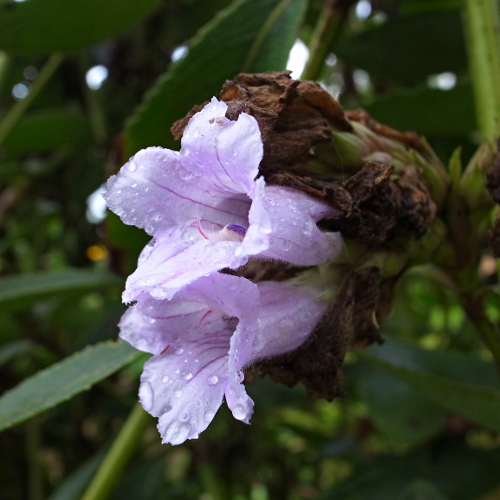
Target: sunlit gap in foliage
{"x":96,"y":206}
{"x":442,"y":81}
{"x":298,"y":58}
{"x":363,"y":9}
{"x":179,"y":52}
{"x":20,"y":90}
{"x":96,"y":76}
{"x":361,"y":81}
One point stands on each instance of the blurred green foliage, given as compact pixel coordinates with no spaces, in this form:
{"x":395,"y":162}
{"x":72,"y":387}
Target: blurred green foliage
{"x":422,"y":412}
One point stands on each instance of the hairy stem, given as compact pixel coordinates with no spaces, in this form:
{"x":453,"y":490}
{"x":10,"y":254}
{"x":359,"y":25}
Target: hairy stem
{"x":330,"y":23}
{"x":17,"y":111}
{"x":121,"y":452}
{"x":481,"y":20}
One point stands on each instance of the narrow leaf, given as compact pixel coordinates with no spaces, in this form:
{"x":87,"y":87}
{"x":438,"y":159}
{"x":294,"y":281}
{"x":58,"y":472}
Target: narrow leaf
{"x":457,"y":382}
{"x":409,"y":48}
{"x":21,"y":291}
{"x":216,"y":54}
{"x":428,"y":111}
{"x":45,"y":26}
{"x":46,"y":130}
{"x":63,"y":380}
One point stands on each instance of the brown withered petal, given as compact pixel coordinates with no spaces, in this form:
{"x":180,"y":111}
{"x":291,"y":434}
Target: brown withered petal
{"x":351,"y":319}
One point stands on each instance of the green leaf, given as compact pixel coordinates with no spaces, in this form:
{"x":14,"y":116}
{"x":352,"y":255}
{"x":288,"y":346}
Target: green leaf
{"x":236,"y":39}
{"x":13,"y":349}
{"x":63,"y":380}
{"x":45,"y":26}
{"x":450,"y":469}
{"x":74,"y":485}
{"x":17,"y":292}
{"x":46,"y":130}
{"x":427,"y":111}
{"x":457,"y":382}
{"x":402,"y":415}
{"x":409,"y":48}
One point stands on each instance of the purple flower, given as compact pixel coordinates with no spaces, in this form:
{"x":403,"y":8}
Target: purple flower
{"x":207,"y":211}
{"x":204,"y":337}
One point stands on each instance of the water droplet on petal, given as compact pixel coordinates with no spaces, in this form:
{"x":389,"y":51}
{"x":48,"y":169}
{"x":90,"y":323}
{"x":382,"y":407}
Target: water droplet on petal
{"x":132,"y":166}
{"x":164,"y":379}
{"x":185,"y":416}
{"x":158,"y":293}
{"x":208,"y":416}
{"x":166,"y":409}
{"x":146,"y":396}
{"x":212,"y":380}
{"x":177,"y":432}
{"x":178,"y":394}
{"x":179,"y":350}
{"x":187,"y":375}
{"x":239,"y":412}
{"x":308,"y":227}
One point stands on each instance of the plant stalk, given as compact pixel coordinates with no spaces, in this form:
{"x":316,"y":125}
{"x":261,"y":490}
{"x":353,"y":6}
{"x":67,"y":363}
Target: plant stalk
{"x":481,"y":19}
{"x":17,"y":111}
{"x":328,"y":28}
{"x":122,"y":450}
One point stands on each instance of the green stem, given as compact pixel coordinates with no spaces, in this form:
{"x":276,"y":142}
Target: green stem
{"x":22,"y":105}
{"x":4,"y":66}
{"x":328,"y":28}
{"x":121,"y":452}
{"x":481,"y":19}
{"x":485,"y":329}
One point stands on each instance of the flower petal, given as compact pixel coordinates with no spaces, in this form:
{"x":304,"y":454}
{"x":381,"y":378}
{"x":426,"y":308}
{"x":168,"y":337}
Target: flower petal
{"x":226,"y":152}
{"x":295,"y":237}
{"x":201,"y":340}
{"x":185,"y":388}
{"x":155,"y":192}
{"x":177,"y":259}
{"x":288,"y":314}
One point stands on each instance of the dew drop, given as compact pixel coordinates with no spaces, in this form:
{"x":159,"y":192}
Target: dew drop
{"x":196,"y":134}
{"x":158,"y":293}
{"x":132,"y":166}
{"x":208,"y":416}
{"x":239,"y":412}
{"x":186,"y":375}
{"x":179,"y":350}
{"x":308,"y":228}
{"x":185,"y":416}
{"x":178,"y":394}
{"x":177,"y":432}
{"x":166,"y":409}
{"x":164,"y":379}
{"x":152,"y":320}
{"x":212,"y":380}
{"x":146,"y":396}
